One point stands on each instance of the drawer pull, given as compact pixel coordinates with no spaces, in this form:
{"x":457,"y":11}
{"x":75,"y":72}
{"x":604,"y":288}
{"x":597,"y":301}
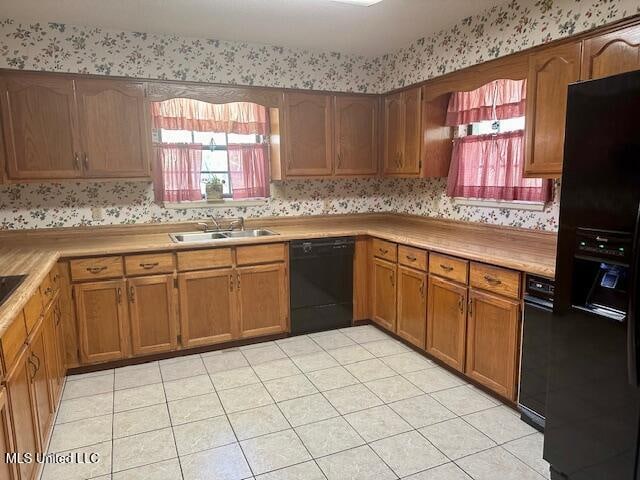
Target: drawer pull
{"x":96,"y":270}
{"x":48,"y":291}
{"x":412,"y":258}
{"x":446,"y":268}
{"x":383,"y":251}
{"x":492,"y":280}
{"x":149,"y":266}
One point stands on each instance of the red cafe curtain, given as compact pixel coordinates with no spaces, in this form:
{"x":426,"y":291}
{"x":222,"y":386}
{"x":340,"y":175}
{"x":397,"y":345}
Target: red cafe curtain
{"x":495,"y":100}
{"x":189,"y":114}
{"x":490,"y":167}
{"x":177,"y":172}
{"x":249,"y":170}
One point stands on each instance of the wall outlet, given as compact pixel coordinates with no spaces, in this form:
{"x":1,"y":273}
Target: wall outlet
{"x":97,"y":214}
{"x":326,"y":205}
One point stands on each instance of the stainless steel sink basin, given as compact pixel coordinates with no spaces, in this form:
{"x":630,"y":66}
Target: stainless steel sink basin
{"x":189,"y":237}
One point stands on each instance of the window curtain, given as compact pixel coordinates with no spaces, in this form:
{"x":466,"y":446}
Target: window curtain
{"x":496,"y":100}
{"x":177,"y":172}
{"x":188,"y":114}
{"x":249,"y":170}
{"x":490,"y":166}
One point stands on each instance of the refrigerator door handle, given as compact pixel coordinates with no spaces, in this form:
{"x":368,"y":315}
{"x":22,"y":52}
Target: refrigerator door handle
{"x":634,"y":292}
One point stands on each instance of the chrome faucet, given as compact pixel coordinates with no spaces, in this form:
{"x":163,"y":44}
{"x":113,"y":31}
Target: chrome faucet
{"x":205,"y":226}
{"x":239,"y":223}
{"x":215,"y":222}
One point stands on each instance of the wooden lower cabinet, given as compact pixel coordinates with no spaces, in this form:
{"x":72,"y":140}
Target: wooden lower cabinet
{"x":102,"y":320}
{"x":384,"y":293}
{"x":40,"y":381}
{"x":152,"y":314}
{"x":263,"y":302}
{"x":7,"y":470}
{"x":412,"y":305}
{"x":446,"y":321}
{"x":492,"y":339}
{"x":53,"y":353}
{"x":207,"y":304}
{"x":23,"y":411}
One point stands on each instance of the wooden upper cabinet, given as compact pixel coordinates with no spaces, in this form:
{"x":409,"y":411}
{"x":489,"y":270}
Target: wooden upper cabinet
{"x":437,"y":138}
{"x":383,"y":299}
{"x":40,"y":127}
{"x":612,"y":53}
{"x":263,"y":302}
{"x":152,"y":314}
{"x":402,"y":133}
{"x":7,"y":470}
{"x":207,"y":307}
{"x":114,"y":130}
{"x":551,"y":70}
{"x":356,"y":136}
{"x":103,"y":325}
{"x":492,"y":342}
{"x":447,"y":321}
{"x":309,"y":134}
{"x":412,"y":305}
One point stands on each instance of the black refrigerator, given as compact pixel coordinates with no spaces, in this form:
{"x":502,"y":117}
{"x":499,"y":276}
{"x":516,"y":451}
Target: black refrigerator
{"x":593,"y":399}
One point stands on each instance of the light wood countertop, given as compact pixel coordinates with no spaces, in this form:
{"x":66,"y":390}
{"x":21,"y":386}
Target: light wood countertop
{"x":35,"y":252}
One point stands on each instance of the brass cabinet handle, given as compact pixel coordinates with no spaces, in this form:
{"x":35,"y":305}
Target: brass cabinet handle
{"x":492,"y":280}
{"x":95,"y":270}
{"x":470,"y":307}
{"x":339,"y":159}
{"x":393,"y":280}
{"x":401,"y":159}
{"x":48,"y":291}
{"x":448,"y":268}
{"x":76,"y":161}
{"x":148,"y":266}
{"x":411,"y":258}
{"x":86,"y":162}
{"x":132,"y":297}
{"x":35,"y":369}
{"x":38,"y":359}
{"x":422,"y":289}
{"x":231,"y":283}
{"x":238,"y":280}
{"x":119,"y":295}
{"x":383,"y":251}
{"x":461,"y":304}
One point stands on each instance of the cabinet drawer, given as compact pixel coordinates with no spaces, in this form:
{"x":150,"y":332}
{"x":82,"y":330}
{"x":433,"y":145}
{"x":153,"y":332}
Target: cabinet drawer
{"x":204,"y":259}
{"x":448,"y":267}
{"x":33,"y":310}
{"x":149,"y":263}
{"x":384,"y":249}
{"x":412,"y":257}
{"x":495,"y":279}
{"x":254,"y":254}
{"x":13,"y":340}
{"x":93,"y":268}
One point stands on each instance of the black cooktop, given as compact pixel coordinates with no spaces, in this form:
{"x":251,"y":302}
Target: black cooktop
{"x":8,"y":285}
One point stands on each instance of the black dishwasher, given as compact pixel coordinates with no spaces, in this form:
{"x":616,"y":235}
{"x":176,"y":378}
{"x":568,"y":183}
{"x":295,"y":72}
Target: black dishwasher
{"x":321,"y":287}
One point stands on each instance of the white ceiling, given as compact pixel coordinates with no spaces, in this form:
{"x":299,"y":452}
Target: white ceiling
{"x":311,"y":24}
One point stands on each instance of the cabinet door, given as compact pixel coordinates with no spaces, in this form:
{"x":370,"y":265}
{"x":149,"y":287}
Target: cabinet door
{"x":446,"y":321}
{"x":550,"y":72}
{"x":384,"y":293}
{"x":23,"y":411}
{"x":152,"y":314}
{"x":39,"y":122}
{"x":113,"y":128}
{"x":207,"y":307}
{"x":103,"y":326}
{"x":53,"y":354}
{"x":42,"y":397}
{"x":7,"y":470}
{"x":412,"y":305}
{"x":356,"y":135}
{"x":393,"y":132}
{"x":612,"y":53}
{"x":492,"y":339}
{"x":309,"y":134}
{"x":263,"y":303}
{"x":410,"y":159}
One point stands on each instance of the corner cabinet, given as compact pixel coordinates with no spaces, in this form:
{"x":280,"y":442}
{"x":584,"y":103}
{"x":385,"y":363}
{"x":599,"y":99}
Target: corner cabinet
{"x":612,"y":53}
{"x":103,"y":325}
{"x":550,"y":72}
{"x":402,"y":133}
{"x":308,"y":134}
{"x":492,"y":339}
{"x":356,"y":135}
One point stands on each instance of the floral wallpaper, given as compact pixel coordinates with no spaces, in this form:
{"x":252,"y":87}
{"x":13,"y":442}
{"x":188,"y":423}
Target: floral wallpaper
{"x":508,"y":27}
{"x":69,"y":204}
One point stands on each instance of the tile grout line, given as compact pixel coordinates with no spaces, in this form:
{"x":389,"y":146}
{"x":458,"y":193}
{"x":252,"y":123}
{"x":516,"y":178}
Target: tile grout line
{"x":173,"y":435}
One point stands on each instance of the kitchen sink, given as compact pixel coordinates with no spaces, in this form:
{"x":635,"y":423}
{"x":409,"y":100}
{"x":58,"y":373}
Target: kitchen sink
{"x":8,"y":285}
{"x":189,"y":237}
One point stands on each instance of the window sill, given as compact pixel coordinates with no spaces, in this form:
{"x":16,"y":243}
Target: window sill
{"x":511,"y":204}
{"x":226,"y":203}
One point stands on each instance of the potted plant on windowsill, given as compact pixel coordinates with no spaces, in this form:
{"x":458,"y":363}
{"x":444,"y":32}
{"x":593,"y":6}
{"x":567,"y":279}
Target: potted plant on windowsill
{"x":214,"y":189}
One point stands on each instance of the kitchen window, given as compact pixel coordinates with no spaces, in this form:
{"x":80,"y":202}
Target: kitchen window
{"x":210,"y":153}
{"x":487,"y":161}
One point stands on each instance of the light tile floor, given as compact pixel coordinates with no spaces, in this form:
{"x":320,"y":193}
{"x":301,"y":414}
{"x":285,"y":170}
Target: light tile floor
{"x":340,"y":405}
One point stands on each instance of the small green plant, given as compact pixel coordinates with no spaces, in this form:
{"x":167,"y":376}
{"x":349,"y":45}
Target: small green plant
{"x":214,"y":188}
